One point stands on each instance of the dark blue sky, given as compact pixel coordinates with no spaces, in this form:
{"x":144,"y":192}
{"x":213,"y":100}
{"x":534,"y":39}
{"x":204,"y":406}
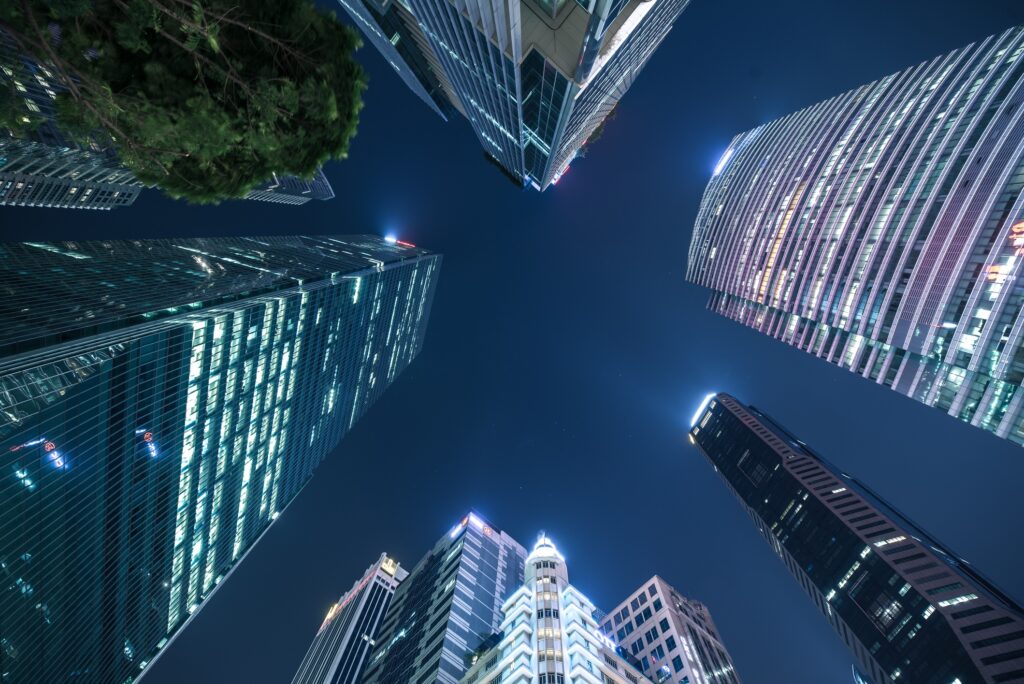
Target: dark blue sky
{"x":566,"y":355}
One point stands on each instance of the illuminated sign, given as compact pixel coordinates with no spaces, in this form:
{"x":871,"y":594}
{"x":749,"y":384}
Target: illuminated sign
{"x":473,"y":520}
{"x":57,"y":460}
{"x":148,"y":440}
{"x":389,"y":565}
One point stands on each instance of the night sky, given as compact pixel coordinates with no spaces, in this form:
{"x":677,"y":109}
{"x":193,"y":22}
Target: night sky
{"x":566,"y":354}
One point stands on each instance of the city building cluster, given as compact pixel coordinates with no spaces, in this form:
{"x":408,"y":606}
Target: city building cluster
{"x":480,"y":609}
{"x":162,"y":401}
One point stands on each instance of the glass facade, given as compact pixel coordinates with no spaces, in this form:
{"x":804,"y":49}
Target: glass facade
{"x":292,"y":190}
{"x":627,"y":36}
{"x":161,"y":402}
{"x":391,"y":28}
{"x":908,"y":608}
{"x":448,"y":606}
{"x":883,"y":230}
{"x":534,"y":79}
{"x":344,"y":641}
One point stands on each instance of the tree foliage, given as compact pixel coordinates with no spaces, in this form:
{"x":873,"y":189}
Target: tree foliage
{"x":202,"y":98}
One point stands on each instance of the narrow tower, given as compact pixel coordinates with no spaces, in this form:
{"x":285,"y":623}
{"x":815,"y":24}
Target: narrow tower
{"x":549,"y":634}
{"x":908,"y":608}
{"x":446,"y":608}
{"x":348,"y":634}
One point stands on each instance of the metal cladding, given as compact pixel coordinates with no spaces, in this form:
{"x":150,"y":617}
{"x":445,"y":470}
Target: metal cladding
{"x":883,"y":230}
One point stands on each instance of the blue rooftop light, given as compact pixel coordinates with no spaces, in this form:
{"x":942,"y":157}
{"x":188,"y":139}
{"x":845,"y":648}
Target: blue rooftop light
{"x":720,"y":166}
{"x":700,"y":410}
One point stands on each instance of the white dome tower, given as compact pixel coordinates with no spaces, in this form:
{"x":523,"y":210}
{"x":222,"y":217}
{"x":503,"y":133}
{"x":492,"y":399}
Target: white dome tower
{"x":549,"y":634}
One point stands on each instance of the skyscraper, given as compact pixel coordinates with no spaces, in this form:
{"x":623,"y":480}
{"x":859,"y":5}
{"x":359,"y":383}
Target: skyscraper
{"x":535,"y":78}
{"x":908,"y":608}
{"x":448,"y":606}
{"x":673,"y":637}
{"x":47,"y":169}
{"x":161,"y":403}
{"x":883,"y":230}
{"x":292,"y":190}
{"x":348,"y":634}
{"x":549,"y":634}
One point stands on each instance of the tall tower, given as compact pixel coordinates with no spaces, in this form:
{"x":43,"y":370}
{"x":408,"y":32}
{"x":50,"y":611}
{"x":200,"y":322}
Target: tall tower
{"x":883,"y":231}
{"x":672,"y":636}
{"x":536,"y":79}
{"x":548,"y":634}
{"x":348,"y":634}
{"x":161,"y":403}
{"x":908,"y":608}
{"x":292,"y":190}
{"x":450,"y":603}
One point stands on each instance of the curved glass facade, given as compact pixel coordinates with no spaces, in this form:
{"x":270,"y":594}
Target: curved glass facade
{"x":883,"y":230}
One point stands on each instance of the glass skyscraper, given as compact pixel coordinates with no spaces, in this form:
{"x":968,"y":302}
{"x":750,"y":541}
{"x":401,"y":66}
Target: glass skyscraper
{"x":908,"y":608}
{"x":161,"y":403}
{"x":536,"y":79}
{"x":548,"y":634}
{"x":450,"y":604}
{"x":883,"y":230}
{"x":292,"y":190}
{"x":345,"y":640}
{"x":672,"y":636}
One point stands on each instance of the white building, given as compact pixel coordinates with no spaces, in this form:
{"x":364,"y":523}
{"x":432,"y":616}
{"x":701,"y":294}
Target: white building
{"x":549,"y":634}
